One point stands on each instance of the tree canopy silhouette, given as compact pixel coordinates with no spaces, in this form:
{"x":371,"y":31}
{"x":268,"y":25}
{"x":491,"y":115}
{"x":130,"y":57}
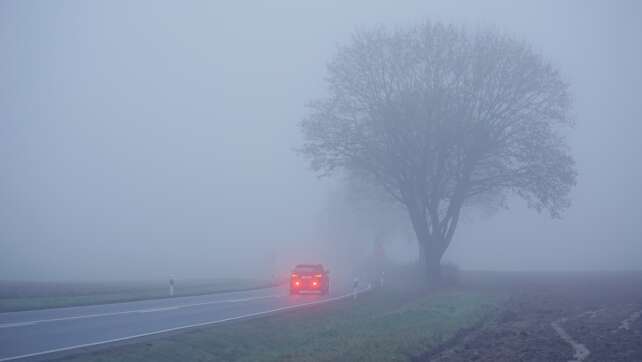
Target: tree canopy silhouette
{"x":440,"y":117}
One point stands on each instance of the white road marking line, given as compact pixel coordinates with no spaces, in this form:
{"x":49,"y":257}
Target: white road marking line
{"x":581,"y":352}
{"x":182,"y":327}
{"x":145,"y":300}
{"x":17,"y":324}
{"x":626,"y":324}
{"x":148,"y":310}
{"x":154,"y":310}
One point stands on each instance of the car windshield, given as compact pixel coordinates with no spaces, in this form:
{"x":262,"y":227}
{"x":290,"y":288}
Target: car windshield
{"x":307,"y":269}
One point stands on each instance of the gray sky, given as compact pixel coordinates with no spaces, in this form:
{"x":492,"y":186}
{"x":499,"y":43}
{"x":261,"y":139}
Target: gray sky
{"x":139,"y":139}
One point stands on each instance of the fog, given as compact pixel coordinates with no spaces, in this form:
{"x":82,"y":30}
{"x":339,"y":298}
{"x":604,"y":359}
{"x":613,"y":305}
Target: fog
{"x":143,"y":139}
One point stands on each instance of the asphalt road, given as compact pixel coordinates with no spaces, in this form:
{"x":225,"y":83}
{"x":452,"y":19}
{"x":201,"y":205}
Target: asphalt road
{"x":42,"y":332}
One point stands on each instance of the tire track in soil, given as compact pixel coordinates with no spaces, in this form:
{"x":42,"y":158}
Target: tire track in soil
{"x":606,"y":334}
{"x":626,"y":324}
{"x":580,"y":350}
{"x":527,"y":326}
{"x":459,"y":337}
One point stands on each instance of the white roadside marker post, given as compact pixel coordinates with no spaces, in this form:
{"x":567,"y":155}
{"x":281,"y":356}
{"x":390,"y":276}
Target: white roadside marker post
{"x":355,"y":285}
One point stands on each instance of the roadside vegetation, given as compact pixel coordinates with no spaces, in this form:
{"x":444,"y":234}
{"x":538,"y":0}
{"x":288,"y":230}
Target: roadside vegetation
{"x":17,"y":296}
{"x":383,"y":325}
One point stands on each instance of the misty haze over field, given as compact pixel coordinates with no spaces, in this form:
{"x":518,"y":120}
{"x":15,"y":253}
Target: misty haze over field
{"x":139,"y":140}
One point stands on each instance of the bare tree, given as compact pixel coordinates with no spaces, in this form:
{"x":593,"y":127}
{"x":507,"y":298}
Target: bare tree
{"x":439,"y":117}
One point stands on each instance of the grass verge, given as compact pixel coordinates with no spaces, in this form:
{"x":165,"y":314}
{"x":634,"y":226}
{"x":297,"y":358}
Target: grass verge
{"x":381,"y":326}
{"x":18,"y":296}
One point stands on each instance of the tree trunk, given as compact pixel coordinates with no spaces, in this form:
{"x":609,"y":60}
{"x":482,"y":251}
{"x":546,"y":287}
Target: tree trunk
{"x":432,"y":263}
{"x":431,"y":246}
{"x":430,"y":253}
{"x":422,"y":254}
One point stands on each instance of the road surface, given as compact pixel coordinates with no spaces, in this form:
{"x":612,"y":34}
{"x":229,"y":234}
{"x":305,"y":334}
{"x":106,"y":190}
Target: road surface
{"x":40,"y":333}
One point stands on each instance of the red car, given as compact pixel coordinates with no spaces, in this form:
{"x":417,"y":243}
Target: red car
{"x":309,"y":278}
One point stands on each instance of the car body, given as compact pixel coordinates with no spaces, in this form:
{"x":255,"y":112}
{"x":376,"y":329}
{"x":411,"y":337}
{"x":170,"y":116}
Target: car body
{"x":309,"y":278}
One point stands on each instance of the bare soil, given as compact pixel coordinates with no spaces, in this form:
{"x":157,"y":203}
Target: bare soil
{"x":598,"y":312}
